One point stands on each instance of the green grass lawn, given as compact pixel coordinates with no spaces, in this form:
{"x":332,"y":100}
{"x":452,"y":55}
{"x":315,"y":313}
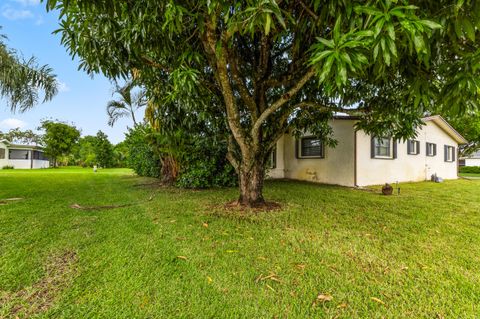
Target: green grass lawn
{"x":416,"y":255}
{"x":470,"y":175}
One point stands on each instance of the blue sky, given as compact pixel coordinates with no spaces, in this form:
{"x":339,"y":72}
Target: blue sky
{"x":81,"y":99}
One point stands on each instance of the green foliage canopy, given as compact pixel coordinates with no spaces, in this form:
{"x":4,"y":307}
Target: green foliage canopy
{"x":22,"y":80}
{"x":59,"y":138}
{"x":270,"y":66}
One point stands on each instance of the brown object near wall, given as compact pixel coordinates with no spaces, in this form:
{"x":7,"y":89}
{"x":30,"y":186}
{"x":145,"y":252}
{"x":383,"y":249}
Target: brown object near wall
{"x":387,"y":189}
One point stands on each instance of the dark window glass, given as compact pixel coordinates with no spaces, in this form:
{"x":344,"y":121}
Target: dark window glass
{"x":2,"y":153}
{"x":311,"y":147}
{"x":413,"y":147}
{"x":18,"y":154}
{"x":431,"y":149}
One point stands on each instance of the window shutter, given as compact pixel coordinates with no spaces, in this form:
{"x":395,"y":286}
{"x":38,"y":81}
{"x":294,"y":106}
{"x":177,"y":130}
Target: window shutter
{"x":434,"y":149}
{"x":297,"y":141}
{"x":372,"y":147}
{"x":394,"y":148}
{"x":445,"y":151}
{"x":409,"y":147}
{"x":418,"y":147}
{"x":454,"y":151}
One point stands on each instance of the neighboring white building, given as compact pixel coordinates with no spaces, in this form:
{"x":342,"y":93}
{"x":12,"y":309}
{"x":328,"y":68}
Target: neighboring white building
{"x":361,"y":160}
{"x":22,"y":156}
{"x":472,"y":160}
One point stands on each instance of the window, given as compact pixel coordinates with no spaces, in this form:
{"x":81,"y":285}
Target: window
{"x":413,"y":147}
{"x":383,"y":147}
{"x":18,"y":154}
{"x":39,"y":155}
{"x":431,"y":149}
{"x":311,"y":147}
{"x":272,"y":160}
{"x":2,"y":153}
{"x":449,"y":153}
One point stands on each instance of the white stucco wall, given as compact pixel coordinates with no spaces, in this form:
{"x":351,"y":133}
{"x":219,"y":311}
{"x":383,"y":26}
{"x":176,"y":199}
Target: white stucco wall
{"x":373,"y":171}
{"x":4,"y":162}
{"x":22,"y":164}
{"x":337,"y":166}
{"x":472,"y":162}
{"x":279,"y":170}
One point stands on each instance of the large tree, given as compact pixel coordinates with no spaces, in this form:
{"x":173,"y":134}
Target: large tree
{"x":59,"y":139}
{"x":23,"y":81}
{"x":271,"y":66}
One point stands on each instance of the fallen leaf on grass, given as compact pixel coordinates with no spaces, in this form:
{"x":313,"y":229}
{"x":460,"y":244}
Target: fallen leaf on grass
{"x":231,"y":251}
{"x":209,"y":279}
{"x":182,"y":257}
{"x":342,"y":305}
{"x":377,"y":300}
{"x":272,"y":276}
{"x":269,"y":287}
{"x":205,"y":225}
{"x":324,"y":297}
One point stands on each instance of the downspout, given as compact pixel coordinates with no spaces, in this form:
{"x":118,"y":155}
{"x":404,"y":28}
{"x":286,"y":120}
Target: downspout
{"x":31,"y":159}
{"x":355,"y":158}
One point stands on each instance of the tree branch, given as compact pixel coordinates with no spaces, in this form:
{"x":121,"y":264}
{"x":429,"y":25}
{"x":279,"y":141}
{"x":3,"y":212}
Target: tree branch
{"x":309,"y":11}
{"x":281,"y":101}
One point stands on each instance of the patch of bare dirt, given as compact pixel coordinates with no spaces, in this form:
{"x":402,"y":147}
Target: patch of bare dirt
{"x":5,"y":201}
{"x":234,"y":208}
{"x":41,"y":296}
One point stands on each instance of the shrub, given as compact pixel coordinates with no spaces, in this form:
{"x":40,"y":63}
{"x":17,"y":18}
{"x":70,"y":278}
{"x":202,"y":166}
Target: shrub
{"x":470,"y":169}
{"x":204,"y":165}
{"x":141,"y":156}
{"x":8,"y":167}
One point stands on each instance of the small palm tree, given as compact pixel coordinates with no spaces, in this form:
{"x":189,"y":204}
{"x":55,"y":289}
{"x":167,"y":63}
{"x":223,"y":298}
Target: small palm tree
{"x":127,"y":105}
{"x":21,"y":80}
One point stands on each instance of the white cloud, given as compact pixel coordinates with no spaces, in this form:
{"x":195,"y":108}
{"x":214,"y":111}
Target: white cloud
{"x":16,"y":14}
{"x":11,"y":123}
{"x":62,"y":86}
{"x":28,"y":2}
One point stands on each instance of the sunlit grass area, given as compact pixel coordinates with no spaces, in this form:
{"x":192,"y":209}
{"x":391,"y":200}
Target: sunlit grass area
{"x":330,"y":252}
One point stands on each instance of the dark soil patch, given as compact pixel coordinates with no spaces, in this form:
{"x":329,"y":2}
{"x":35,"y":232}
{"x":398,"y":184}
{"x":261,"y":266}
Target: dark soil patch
{"x":41,"y":296}
{"x":5,"y":201}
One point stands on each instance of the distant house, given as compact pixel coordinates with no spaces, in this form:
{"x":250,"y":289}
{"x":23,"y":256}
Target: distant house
{"x":472,"y":160}
{"x":22,"y":156}
{"x":361,"y":160}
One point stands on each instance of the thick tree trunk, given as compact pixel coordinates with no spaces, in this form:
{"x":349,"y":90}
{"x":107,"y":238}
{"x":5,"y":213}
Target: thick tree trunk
{"x":251,"y":176}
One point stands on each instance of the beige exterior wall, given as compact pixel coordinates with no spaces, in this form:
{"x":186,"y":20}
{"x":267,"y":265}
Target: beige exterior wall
{"x":406,"y":168}
{"x":337,"y":166}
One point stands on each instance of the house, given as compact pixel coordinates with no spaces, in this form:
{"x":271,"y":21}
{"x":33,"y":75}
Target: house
{"x":361,"y":160}
{"x":22,"y":156}
{"x":472,"y":160}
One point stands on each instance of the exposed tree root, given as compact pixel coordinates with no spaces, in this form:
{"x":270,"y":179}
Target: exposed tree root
{"x":41,"y":296}
{"x":261,"y":207}
{"x":103,"y":207}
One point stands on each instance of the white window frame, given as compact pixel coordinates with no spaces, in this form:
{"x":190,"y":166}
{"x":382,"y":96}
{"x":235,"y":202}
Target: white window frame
{"x":300,"y":147}
{"x":450,"y":156}
{"x":433,"y":149}
{"x":390,"y":148}
{"x":413,"y":147}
